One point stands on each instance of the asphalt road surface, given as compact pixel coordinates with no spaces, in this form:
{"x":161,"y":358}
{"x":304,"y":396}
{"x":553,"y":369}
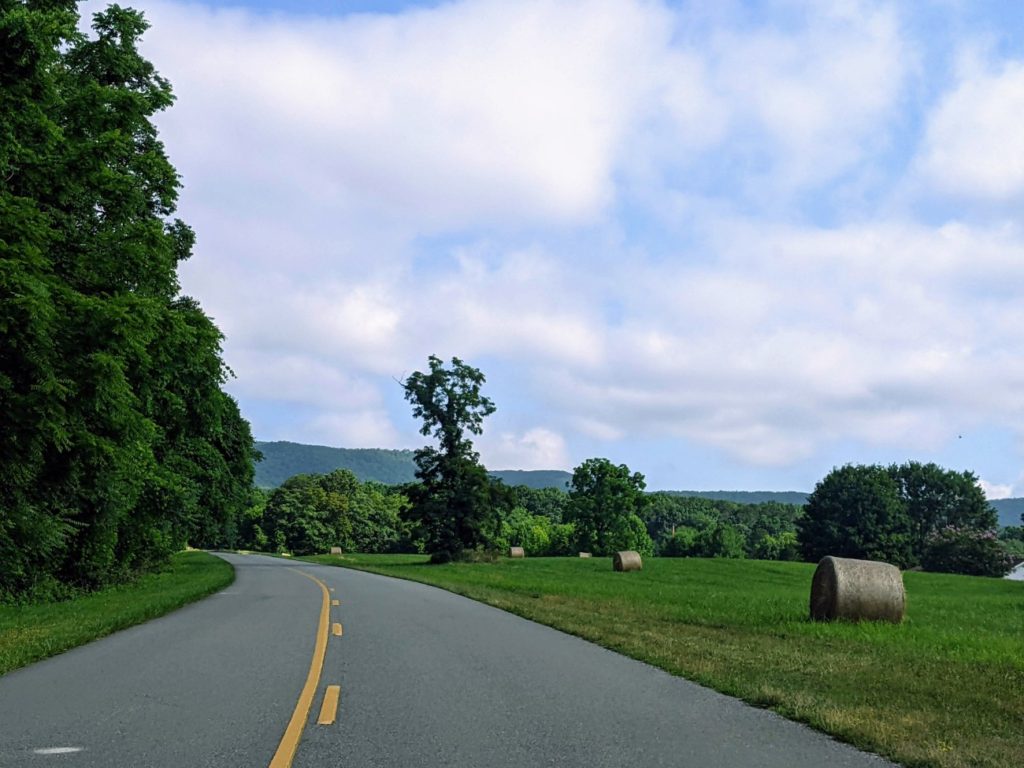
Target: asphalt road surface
{"x":422,"y":678}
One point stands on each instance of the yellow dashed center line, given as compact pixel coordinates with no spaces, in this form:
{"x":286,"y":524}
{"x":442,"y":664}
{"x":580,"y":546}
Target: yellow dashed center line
{"x":336,"y":629}
{"x":293,"y":733}
{"x":335,"y":602}
{"x":329,"y":709}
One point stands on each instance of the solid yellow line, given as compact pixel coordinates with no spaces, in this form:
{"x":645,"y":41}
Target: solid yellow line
{"x":293,"y":733}
{"x":337,"y":629}
{"x":335,"y":602}
{"x":329,"y":709}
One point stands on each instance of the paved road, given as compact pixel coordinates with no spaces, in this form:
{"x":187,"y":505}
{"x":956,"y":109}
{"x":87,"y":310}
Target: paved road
{"x":426,"y":678}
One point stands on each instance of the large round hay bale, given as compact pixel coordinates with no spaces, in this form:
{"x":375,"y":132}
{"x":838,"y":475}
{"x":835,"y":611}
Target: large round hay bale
{"x":516,"y":552}
{"x":627,"y":561}
{"x":584,"y":554}
{"x":857,"y":590}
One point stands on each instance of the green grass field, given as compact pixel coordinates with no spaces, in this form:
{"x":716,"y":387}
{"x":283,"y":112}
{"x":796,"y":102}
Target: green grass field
{"x":945,"y":688}
{"x":33,"y":632}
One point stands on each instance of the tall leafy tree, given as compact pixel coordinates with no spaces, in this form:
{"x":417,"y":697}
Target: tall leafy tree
{"x":604,"y":502}
{"x":454,"y":502}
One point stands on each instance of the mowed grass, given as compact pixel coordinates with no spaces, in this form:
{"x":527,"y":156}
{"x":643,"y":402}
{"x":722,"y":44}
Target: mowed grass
{"x":945,"y":688}
{"x":33,"y":632}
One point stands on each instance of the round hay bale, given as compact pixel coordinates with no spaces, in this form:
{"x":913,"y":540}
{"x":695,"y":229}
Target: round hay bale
{"x":335,"y":550}
{"x":584,"y":554}
{"x":857,"y":590}
{"x":516,"y":552}
{"x":627,"y":561}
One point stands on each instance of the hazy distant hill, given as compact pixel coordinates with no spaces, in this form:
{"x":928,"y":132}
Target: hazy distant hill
{"x":747,"y":497}
{"x":1009,"y":510}
{"x":282,"y":459}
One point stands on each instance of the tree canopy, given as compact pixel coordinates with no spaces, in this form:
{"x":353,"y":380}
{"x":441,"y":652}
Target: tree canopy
{"x":604,"y":500}
{"x":893,"y":513}
{"x":119,"y":444}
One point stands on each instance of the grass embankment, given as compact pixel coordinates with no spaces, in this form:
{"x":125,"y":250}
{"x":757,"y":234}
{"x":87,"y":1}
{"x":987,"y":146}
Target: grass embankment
{"x":33,"y":632}
{"x":945,"y":688}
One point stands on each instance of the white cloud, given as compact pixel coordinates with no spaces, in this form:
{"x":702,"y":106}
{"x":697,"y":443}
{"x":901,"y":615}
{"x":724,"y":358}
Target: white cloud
{"x":818,"y":94}
{"x":536,"y":448}
{"x":973,"y":145}
{"x":300,"y":379}
{"x":349,"y":429}
{"x":468,"y":113}
{"x":794,"y":339}
{"x":995,"y":491}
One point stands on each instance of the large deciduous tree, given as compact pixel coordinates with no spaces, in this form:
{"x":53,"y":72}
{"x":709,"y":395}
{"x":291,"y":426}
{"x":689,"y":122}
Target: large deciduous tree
{"x":604,"y":502}
{"x":890,"y":513}
{"x":453,"y":503}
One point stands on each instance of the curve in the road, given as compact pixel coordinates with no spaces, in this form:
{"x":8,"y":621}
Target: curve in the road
{"x":293,"y":733}
{"x":420,"y":677}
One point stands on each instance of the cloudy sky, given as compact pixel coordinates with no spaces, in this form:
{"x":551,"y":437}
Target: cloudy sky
{"x":730,"y":244}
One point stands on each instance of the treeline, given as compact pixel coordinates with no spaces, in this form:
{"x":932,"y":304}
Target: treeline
{"x":312,"y":513}
{"x":937,"y":519}
{"x":118,"y":445}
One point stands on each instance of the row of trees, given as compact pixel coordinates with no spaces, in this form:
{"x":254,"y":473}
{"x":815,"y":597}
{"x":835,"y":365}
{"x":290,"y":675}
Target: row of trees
{"x":311,"y":513}
{"x":605,"y":510}
{"x":118,"y":444}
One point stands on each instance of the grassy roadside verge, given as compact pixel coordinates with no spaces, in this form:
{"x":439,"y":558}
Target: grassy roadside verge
{"x":946,"y":688}
{"x":33,"y":632}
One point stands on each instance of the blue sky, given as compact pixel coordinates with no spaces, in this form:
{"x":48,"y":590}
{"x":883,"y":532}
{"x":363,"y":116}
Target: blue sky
{"x":729,"y":244}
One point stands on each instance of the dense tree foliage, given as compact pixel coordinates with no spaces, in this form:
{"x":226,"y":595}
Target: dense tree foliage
{"x":118,"y":443}
{"x":538,"y":535}
{"x":891,"y":513}
{"x":685,"y":526}
{"x":856,"y":511}
{"x":604,"y":500}
{"x":1012,"y":537}
{"x":454,"y":505}
{"x":309,"y":514}
{"x":936,"y":499}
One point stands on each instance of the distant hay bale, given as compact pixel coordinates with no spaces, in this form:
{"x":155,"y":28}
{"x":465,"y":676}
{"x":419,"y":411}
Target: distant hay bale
{"x":516,"y":552}
{"x":627,"y":561}
{"x":584,"y":554}
{"x":335,"y":550}
{"x":857,"y":590}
